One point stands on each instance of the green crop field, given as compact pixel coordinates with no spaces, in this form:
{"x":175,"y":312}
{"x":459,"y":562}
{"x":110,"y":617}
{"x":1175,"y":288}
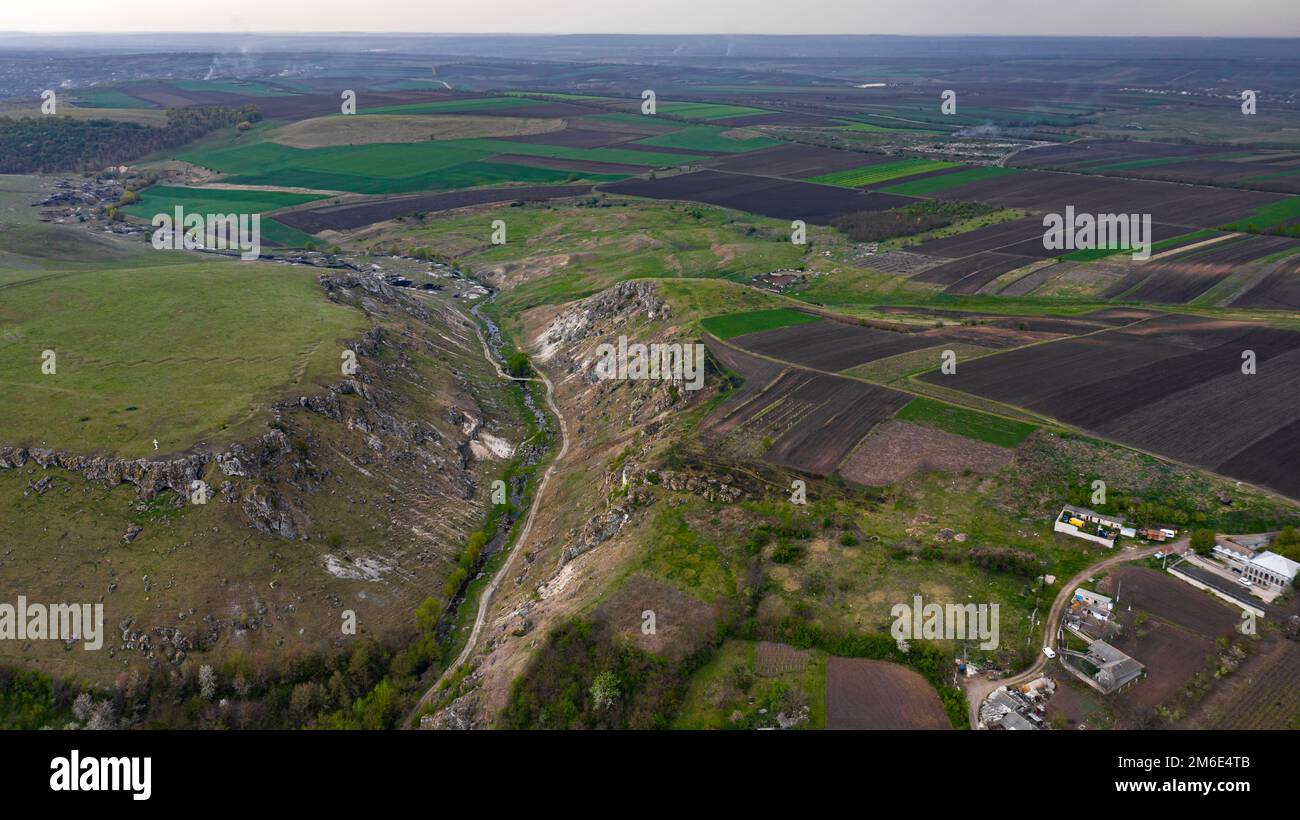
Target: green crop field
{"x":931,"y":185}
{"x":108,"y":97}
{"x":382,"y":168}
{"x":730,"y":325}
{"x":882,"y":172}
{"x":156,"y":345}
{"x":1275,"y":214}
{"x":617,"y":156}
{"x":165,"y":198}
{"x":964,"y":422}
{"x":707,"y":138}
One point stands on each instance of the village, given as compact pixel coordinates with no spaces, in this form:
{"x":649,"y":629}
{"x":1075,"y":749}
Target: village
{"x":1094,"y":637}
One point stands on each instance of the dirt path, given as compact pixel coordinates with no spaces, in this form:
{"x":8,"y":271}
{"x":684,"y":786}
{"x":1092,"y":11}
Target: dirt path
{"x":485,"y":598}
{"x":977,"y":689}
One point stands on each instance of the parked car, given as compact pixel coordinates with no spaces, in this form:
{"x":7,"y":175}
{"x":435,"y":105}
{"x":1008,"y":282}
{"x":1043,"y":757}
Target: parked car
{"x":1049,"y":651}
{"x":1245,"y":582}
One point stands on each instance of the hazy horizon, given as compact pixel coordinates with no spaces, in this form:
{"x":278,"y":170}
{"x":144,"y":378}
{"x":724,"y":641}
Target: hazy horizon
{"x":1269,"y":19}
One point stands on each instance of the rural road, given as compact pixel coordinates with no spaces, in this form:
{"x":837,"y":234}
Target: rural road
{"x":977,"y":689}
{"x":485,"y":599}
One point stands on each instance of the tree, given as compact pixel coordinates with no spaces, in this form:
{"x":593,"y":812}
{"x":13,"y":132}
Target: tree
{"x":207,"y":682}
{"x":518,"y":366}
{"x":1203,"y":541}
{"x":604,"y":690}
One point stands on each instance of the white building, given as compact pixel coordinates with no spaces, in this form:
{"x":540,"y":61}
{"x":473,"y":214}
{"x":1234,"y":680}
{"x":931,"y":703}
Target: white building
{"x":1271,"y":571}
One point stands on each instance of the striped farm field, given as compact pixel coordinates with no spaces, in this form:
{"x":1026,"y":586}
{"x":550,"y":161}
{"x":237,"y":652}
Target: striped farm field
{"x":883,"y":172}
{"x":707,"y":138}
{"x":931,"y":185}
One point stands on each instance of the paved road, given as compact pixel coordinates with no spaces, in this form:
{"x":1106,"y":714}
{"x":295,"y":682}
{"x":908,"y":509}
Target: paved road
{"x":979,"y":688}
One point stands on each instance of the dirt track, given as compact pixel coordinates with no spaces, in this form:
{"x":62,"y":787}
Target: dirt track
{"x":485,"y":599}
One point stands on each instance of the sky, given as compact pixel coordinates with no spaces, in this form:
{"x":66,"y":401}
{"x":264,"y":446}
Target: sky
{"x":1157,"y":18}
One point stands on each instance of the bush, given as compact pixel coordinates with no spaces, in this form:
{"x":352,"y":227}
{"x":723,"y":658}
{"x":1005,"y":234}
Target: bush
{"x":1203,"y":541}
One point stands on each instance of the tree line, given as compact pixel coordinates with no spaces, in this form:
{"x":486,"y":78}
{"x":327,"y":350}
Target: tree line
{"x":51,"y":144}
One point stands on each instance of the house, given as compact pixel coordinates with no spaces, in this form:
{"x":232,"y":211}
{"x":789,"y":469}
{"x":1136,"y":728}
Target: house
{"x":1013,"y":721}
{"x":1271,"y":571}
{"x":1087,"y":602}
{"x":1114,"y":668}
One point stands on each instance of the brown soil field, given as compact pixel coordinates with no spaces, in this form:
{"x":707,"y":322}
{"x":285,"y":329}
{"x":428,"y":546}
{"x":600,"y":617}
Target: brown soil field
{"x":359,"y":214}
{"x":1171,"y":385}
{"x":796,"y":161}
{"x":1279,"y":290}
{"x":826,"y":416}
{"x":896,"y":450}
{"x":1198,"y":167}
{"x":1165,"y":596}
{"x":682,"y":624}
{"x":1183,"y":277}
{"x":1263,"y":693}
{"x":1167,"y":202}
{"x":988,"y":238}
{"x":971,"y":273}
{"x":1020,"y":237}
{"x":1171,"y":655}
{"x":772,"y":659}
{"x":1164,"y":424}
{"x":868,"y":694}
{"x":830,"y":345}
{"x":783,"y":199}
{"x":321,"y":132}
{"x":1070,"y":155}
{"x":756,"y":371}
{"x":811,"y":420}
{"x":1270,"y":461}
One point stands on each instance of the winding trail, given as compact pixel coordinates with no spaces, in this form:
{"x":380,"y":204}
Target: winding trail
{"x":977,"y":689}
{"x":485,"y":599}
